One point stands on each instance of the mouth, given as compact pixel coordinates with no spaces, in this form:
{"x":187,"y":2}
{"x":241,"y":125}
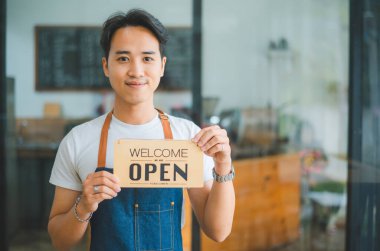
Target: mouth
{"x":135,"y":84}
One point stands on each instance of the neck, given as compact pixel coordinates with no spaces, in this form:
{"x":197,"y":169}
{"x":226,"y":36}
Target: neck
{"x":134,"y":114}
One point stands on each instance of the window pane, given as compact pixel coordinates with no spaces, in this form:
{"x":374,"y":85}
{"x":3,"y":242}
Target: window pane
{"x":275,"y":75}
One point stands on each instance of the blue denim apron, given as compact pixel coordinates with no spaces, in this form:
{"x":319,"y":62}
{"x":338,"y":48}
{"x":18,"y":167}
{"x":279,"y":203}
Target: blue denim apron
{"x":138,"y":218}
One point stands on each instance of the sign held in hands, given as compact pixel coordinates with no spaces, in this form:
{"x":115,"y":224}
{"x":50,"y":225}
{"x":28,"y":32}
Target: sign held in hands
{"x":158,"y":163}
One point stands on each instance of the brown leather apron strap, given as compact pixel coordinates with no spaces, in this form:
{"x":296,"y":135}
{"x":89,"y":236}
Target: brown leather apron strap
{"x":165,"y":124}
{"x":103,"y":141}
{"x":104,"y":135}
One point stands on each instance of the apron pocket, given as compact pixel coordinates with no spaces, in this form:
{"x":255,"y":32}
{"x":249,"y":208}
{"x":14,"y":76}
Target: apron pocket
{"x":154,"y":228}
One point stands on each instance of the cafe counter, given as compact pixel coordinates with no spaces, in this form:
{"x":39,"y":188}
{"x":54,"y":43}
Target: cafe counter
{"x":267,"y":208}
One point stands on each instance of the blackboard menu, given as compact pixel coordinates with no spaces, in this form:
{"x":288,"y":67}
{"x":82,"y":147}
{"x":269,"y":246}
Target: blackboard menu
{"x":179,"y":52}
{"x":69,"y":58}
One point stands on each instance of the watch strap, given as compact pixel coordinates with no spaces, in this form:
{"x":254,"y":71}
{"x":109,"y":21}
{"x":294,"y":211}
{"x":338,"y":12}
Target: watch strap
{"x":224,"y":178}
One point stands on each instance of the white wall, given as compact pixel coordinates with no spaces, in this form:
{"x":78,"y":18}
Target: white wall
{"x":23,"y":15}
{"x":238,"y":69}
{"x":234,"y":43}
{"x":236,"y":65}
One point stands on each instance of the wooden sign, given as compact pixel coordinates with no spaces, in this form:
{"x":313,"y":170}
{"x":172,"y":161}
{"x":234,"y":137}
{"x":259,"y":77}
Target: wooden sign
{"x":158,"y":163}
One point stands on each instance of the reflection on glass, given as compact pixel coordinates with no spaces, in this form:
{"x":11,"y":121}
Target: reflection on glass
{"x":279,"y":70}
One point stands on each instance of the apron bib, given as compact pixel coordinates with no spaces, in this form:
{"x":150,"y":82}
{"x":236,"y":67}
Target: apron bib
{"x":138,"y":218}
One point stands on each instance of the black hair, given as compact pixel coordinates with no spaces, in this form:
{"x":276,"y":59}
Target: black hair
{"x":134,"y":17}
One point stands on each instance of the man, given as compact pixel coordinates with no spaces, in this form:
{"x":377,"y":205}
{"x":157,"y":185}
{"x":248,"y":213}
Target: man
{"x":128,"y":218}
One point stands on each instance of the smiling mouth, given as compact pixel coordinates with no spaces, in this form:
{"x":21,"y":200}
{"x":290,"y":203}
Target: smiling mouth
{"x":135,"y":83}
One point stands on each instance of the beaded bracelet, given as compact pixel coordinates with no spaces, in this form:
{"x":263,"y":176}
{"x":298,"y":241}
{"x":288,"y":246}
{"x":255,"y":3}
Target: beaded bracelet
{"x":76,"y":212}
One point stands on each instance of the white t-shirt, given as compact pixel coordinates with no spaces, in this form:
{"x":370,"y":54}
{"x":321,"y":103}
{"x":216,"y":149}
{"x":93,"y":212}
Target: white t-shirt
{"x":77,"y":154}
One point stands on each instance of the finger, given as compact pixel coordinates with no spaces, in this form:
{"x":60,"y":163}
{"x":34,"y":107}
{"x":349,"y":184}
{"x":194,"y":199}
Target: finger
{"x":218,"y":148}
{"x":208,"y":135}
{"x":108,"y":175}
{"x":92,"y":199}
{"x":223,"y":132}
{"x":106,"y":190}
{"x":88,"y":185}
{"x":213,"y":141}
{"x":105,"y":181}
{"x":203,"y":131}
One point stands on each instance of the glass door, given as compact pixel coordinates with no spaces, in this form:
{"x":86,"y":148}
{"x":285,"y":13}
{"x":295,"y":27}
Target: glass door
{"x":275,"y":75}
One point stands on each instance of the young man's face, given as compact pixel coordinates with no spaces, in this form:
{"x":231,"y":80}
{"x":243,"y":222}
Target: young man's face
{"x":134,"y":65}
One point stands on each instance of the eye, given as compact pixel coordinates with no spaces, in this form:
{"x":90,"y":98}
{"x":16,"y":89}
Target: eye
{"x":148,"y":59}
{"x":123,"y":59}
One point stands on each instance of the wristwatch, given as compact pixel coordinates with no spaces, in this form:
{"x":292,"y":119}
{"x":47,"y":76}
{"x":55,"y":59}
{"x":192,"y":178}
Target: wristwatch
{"x":223,"y":178}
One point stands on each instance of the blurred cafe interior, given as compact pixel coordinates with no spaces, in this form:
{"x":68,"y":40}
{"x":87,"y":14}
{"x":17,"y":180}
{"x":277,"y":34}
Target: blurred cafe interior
{"x":294,"y":82}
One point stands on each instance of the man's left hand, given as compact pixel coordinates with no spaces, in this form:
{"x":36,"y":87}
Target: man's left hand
{"x":215,"y":143}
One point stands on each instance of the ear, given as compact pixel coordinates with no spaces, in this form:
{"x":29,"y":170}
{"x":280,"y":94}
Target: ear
{"x":163,"y":66}
{"x":105,"y":67}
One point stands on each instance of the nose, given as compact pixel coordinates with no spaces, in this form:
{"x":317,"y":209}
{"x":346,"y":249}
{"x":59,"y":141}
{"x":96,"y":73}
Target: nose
{"x":136,"y":69}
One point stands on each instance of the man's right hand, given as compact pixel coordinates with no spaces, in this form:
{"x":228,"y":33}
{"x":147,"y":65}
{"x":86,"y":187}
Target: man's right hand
{"x":97,"y":187}
{"x":64,"y":228}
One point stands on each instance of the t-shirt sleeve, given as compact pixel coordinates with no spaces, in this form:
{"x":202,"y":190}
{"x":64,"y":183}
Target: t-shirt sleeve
{"x":65,"y":172}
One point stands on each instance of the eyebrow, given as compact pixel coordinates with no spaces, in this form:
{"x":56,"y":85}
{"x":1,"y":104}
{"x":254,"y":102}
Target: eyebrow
{"x":128,"y":52}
